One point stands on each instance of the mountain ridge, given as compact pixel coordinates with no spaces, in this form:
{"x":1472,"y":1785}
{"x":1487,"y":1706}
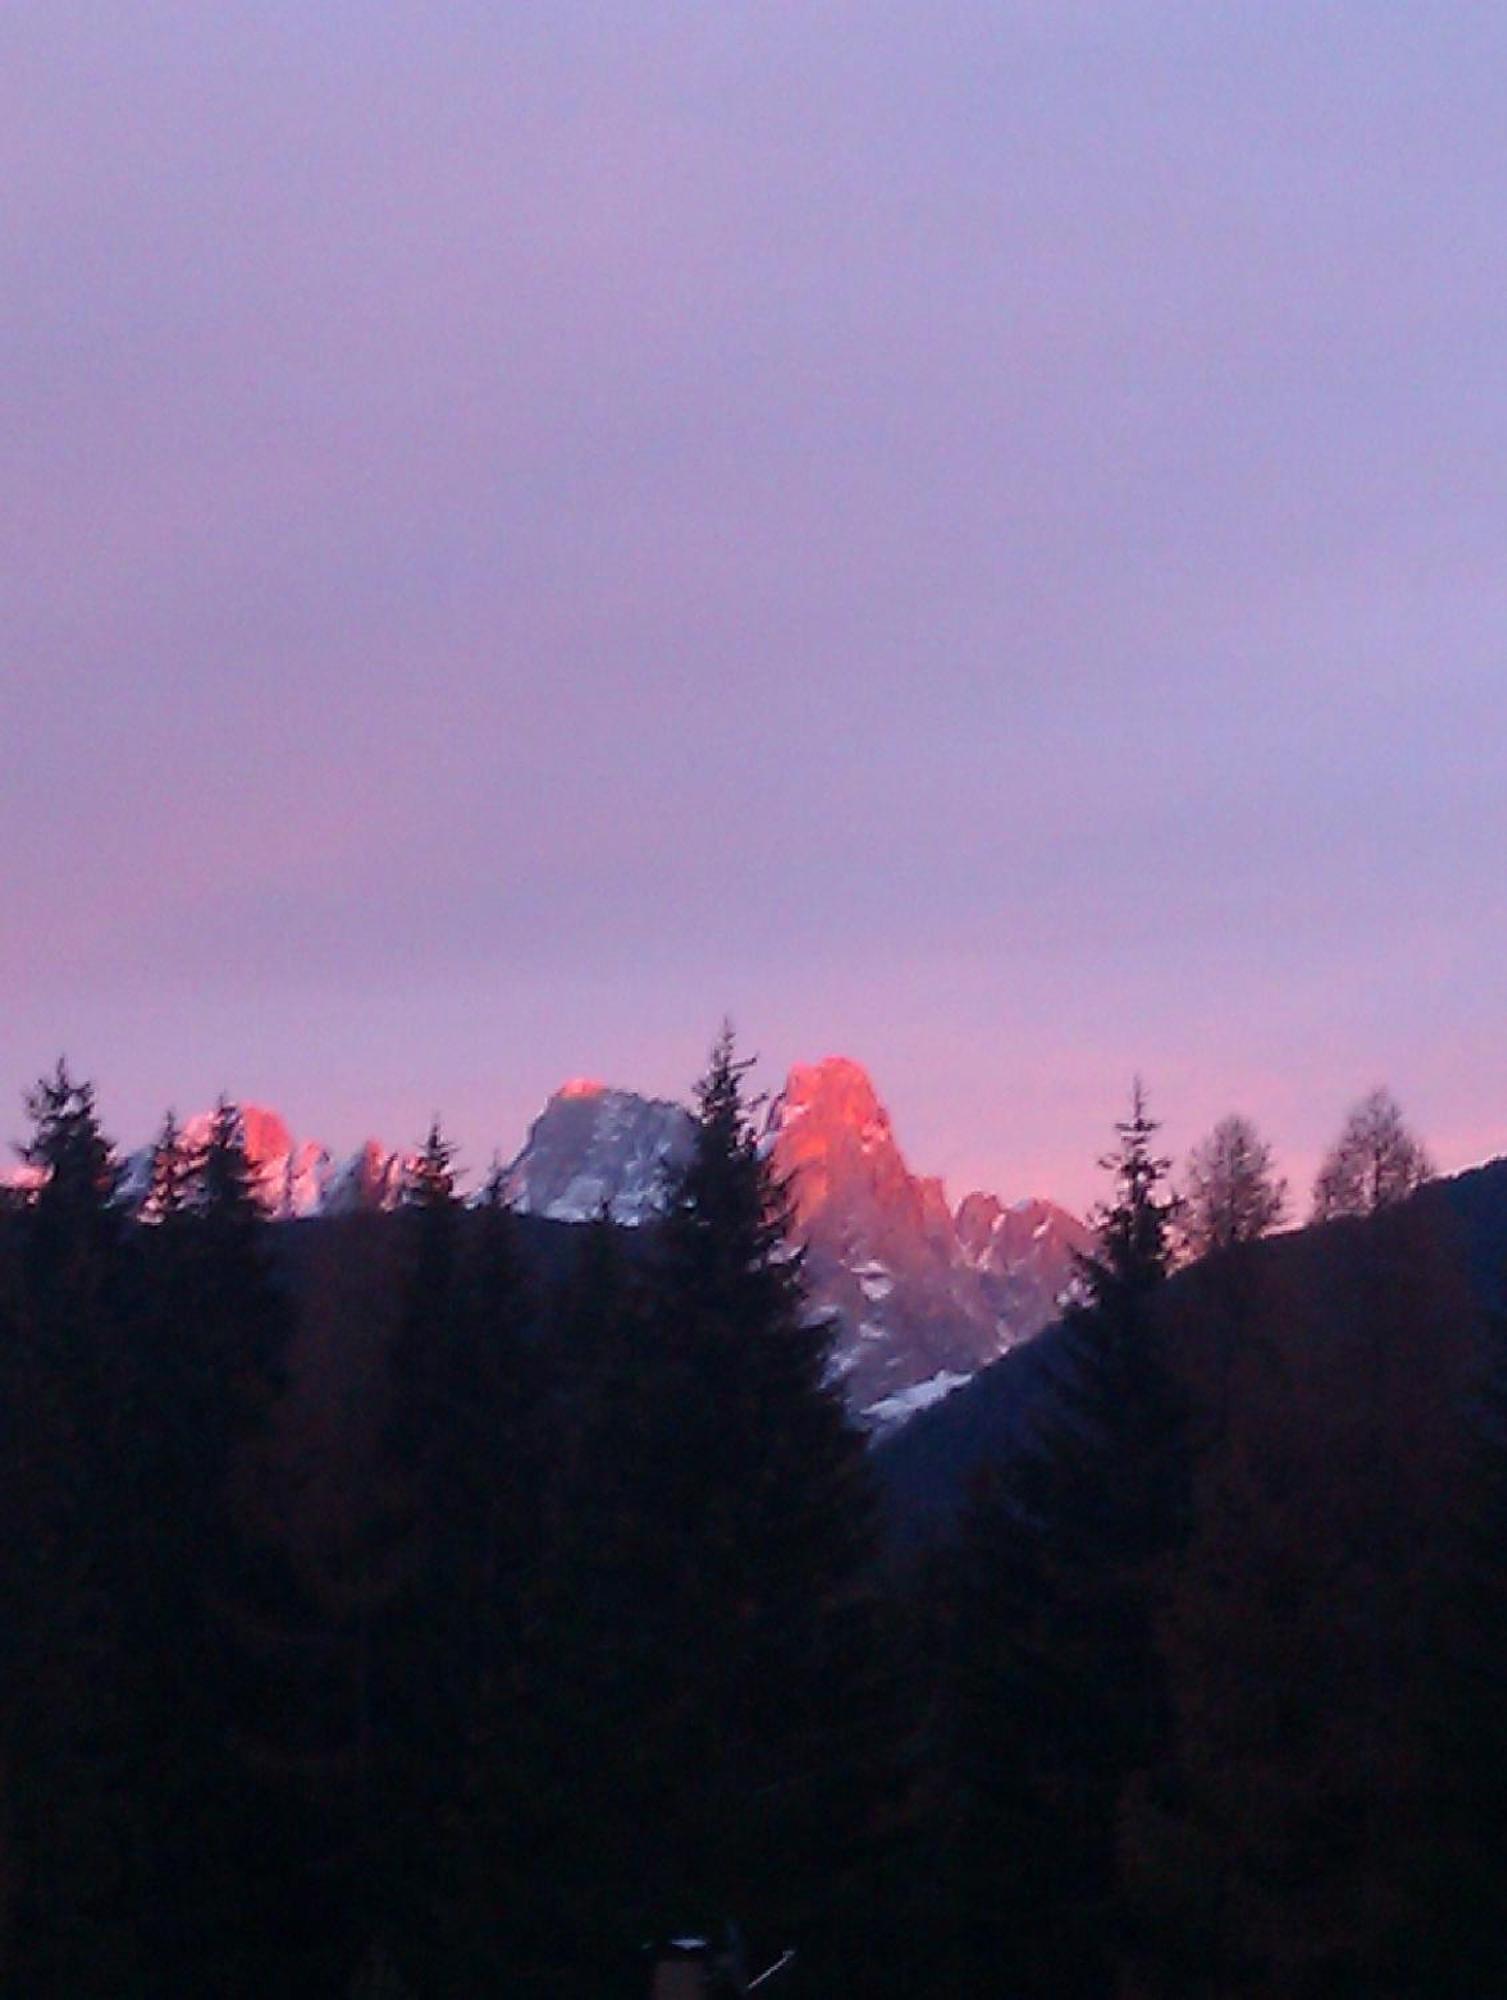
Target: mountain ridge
{"x":921,"y":1292}
{"x":922,"y":1295}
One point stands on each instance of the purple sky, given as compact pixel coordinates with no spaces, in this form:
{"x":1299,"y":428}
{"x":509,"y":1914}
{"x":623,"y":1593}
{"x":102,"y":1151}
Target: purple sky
{"x":967,"y":534}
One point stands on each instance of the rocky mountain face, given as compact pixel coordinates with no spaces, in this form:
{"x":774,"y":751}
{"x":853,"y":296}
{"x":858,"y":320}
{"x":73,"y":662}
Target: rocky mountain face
{"x":592,"y":1150}
{"x":922,"y":1294}
{"x":372,"y":1178}
{"x":925,"y":1295}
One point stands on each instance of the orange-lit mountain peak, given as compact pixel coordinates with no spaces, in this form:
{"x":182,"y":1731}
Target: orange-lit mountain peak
{"x":581,"y":1086}
{"x":264,"y":1134}
{"x":832,"y":1136}
{"x":838,"y":1087}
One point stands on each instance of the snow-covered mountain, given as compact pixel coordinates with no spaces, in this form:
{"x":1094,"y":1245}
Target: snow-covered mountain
{"x":922,"y":1295}
{"x":593,"y":1149}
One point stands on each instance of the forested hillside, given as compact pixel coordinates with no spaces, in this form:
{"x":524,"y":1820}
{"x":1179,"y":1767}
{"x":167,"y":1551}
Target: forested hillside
{"x":448,"y":1602}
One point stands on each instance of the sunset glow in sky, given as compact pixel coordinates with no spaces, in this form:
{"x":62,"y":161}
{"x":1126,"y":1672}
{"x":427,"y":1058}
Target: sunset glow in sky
{"x":972,"y":534}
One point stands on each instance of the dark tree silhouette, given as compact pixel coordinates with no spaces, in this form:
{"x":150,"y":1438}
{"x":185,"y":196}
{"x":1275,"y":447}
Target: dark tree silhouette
{"x":1375,"y":1163}
{"x":701,"y":1672}
{"x":68,"y":1400}
{"x":216,"y":1332}
{"x":1231,"y":1192}
{"x":1059,"y":1704}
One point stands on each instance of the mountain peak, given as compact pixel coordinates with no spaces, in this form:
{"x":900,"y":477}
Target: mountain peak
{"x":594,"y":1148}
{"x":928,"y":1296}
{"x":921,"y":1295}
{"x":288,"y":1176}
{"x":264,"y":1134}
{"x":581,"y":1086}
{"x":839,"y":1087}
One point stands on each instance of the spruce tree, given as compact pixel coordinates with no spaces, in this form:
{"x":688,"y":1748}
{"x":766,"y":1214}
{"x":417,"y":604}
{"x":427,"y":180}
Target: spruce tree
{"x":233,"y":1350}
{"x":406,"y":1669}
{"x":78,"y":1276}
{"x":495,"y":1388}
{"x":220,"y":1326}
{"x":168,"y":1181}
{"x":776,"y":1538}
{"x":1058,"y":1698}
{"x":700,"y":1734}
{"x":459,"y":1449}
{"x":554,"y":1821}
{"x":751,"y":1610}
{"x":68,"y":1403}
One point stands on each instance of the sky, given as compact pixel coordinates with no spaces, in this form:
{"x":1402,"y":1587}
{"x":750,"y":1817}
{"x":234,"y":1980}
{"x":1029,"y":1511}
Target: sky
{"x":969,"y":534}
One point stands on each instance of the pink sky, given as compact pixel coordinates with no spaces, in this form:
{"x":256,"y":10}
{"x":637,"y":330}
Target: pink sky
{"x":968,"y":534}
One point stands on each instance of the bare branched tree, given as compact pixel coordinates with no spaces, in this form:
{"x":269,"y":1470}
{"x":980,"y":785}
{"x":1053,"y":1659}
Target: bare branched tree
{"x":1231,"y":1191}
{"x":1375,"y":1162}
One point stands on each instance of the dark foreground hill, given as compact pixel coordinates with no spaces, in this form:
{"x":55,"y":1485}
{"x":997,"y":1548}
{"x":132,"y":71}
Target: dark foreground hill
{"x":341,"y":1272}
{"x":1457,"y":1227}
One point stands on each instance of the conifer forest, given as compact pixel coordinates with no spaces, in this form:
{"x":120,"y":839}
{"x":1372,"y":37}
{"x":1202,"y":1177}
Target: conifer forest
{"x":445,"y":1603}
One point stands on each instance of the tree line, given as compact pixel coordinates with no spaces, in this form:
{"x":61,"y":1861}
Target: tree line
{"x":1230,"y":1191}
{"x":390,"y":1610}
{"x":580,"y":1643}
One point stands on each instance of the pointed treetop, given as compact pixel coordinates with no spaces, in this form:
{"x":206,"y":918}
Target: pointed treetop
{"x":221,"y":1177}
{"x":725,"y":1149}
{"x":1133,"y":1227}
{"x":494,"y":1189}
{"x":429,"y":1180}
{"x":170,"y":1188}
{"x":76,"y":1159}
{"x":728,"y":1217}
{"x":719,"y":1090}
